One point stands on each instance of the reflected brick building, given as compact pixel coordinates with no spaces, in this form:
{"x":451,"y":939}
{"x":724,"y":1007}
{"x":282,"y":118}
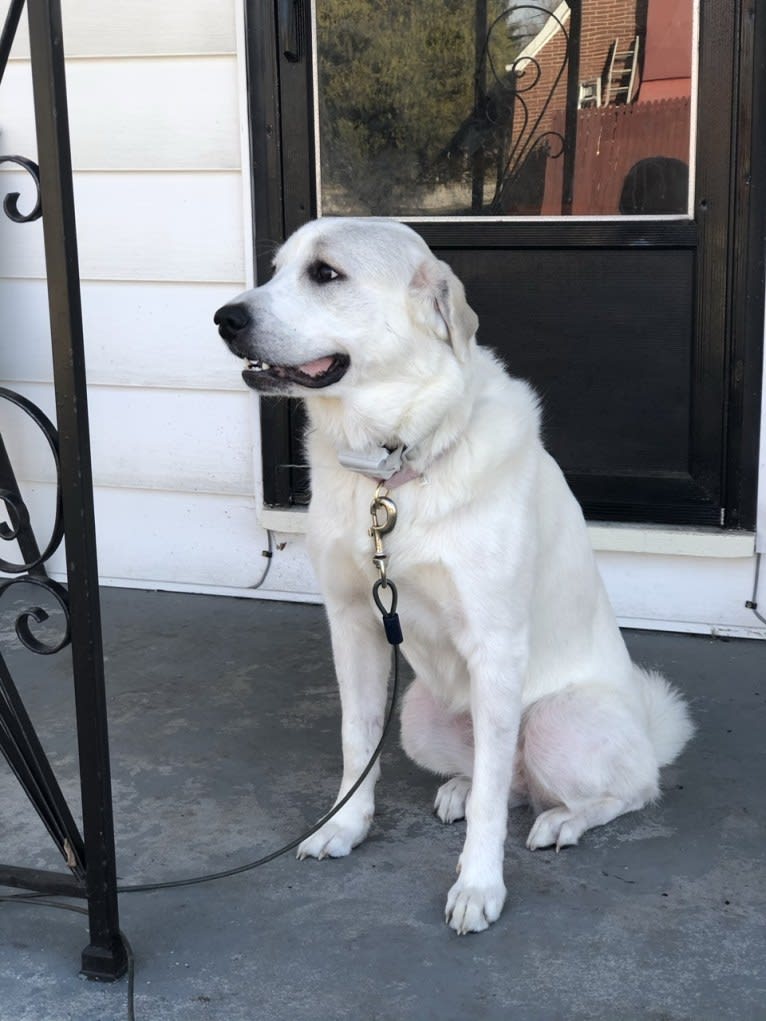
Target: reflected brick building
{"x":634,"y":110}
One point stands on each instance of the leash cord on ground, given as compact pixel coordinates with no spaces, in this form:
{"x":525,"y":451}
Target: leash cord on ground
{"x":394,"y":636}
{"x":195,"y":880}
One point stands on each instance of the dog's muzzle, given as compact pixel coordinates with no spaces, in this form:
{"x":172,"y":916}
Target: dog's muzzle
{"x":236,"y":326}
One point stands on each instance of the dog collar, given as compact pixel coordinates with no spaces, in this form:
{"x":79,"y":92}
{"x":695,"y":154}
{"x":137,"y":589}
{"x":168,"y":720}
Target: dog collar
{"x":381,"y":465}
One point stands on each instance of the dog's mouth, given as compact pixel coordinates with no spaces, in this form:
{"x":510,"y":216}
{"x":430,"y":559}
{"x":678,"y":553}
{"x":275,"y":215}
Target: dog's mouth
{"x":315,"y":375}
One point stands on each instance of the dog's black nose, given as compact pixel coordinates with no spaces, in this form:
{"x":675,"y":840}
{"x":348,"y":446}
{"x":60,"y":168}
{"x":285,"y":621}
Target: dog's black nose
{"x":231,"y":320}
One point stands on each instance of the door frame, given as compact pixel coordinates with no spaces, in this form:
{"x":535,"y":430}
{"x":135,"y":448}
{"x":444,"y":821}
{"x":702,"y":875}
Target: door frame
{"x":728,"y":232}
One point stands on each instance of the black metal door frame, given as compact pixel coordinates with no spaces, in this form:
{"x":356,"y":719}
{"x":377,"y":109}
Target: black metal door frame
{"x":746,"y":352}
{"x":726,"y":235}
{"x":90,"y":857}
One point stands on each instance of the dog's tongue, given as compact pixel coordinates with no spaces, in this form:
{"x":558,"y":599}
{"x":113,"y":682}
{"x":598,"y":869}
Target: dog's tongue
{"x":317,"y":367}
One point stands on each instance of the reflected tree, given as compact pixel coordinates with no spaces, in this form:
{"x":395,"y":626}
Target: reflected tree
{"x":416,"y":101}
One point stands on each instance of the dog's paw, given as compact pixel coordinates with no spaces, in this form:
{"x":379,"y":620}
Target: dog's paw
{"x":451,"y":799}
{"x":473,"y":907}
{"x":556,"y":827}
{"x":335,"y":839}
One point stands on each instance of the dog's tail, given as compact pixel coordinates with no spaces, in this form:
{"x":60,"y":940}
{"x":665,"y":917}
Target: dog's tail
{"x":670,"y":725}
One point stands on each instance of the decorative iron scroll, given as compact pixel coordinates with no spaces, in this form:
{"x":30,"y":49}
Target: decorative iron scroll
{"x":10,"y":202}
{"x":18,"y":740}
{"x":524,"y":141}
{"x":505,"y":134}
{"x":20,"y":528}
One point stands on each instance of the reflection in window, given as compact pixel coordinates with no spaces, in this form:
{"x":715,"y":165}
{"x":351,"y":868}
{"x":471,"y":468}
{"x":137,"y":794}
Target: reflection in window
{"x":655,"y":185}
{"x":471,"y":107}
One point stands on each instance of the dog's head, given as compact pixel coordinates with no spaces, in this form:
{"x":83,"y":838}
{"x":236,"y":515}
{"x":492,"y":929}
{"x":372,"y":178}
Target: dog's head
{"x":350,"y":300}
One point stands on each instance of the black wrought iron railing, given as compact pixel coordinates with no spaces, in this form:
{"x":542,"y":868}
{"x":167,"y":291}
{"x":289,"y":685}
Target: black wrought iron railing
{"x":88,"y":853}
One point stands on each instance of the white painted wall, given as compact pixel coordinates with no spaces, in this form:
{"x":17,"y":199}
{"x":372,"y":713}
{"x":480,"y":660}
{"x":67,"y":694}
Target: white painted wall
{"x":158,"y":121}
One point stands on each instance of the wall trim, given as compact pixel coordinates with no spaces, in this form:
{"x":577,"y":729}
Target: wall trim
{"x":667,"y":540}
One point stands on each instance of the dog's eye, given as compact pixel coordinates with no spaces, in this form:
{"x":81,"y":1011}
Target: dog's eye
{"x":322,"y":273}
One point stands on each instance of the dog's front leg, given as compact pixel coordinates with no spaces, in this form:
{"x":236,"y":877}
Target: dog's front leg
{"x":496,"y":669}
{"x":361,"y":656}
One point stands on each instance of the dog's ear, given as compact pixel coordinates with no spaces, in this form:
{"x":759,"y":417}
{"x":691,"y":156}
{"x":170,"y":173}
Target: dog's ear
{"x":450,"y":315}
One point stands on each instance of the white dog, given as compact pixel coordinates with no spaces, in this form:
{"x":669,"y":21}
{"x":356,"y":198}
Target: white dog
{"x":524,"y":690}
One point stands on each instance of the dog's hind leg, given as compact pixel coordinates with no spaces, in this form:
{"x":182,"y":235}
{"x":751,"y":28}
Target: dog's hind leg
{"x":442,"y":742}
{"x":451,"y":801}
{"x":432,"y":736}
{"x":563,"y":826}
{"x":588,"y":758}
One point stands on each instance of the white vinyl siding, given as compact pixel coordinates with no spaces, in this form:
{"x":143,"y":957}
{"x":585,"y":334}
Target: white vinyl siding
{"x":154,"y":94}
{"x":141,"y":226}
{"x":188,"y":441}
{"x":152,"y":113}
{"x":154,"y":335}
{"x":113,"y":28}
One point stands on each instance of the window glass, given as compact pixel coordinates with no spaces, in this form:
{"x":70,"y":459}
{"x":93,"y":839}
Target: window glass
{"x":458,"y":108}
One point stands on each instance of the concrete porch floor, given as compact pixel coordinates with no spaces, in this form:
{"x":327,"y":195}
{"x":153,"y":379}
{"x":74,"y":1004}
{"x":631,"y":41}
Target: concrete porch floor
{"x":225,"y":744}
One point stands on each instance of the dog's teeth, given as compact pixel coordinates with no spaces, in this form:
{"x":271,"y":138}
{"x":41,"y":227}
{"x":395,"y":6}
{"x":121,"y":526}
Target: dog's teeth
{"x":265,"y":365}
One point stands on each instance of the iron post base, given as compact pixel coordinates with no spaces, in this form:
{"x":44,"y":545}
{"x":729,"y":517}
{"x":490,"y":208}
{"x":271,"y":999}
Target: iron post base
{"x":104,"y":964}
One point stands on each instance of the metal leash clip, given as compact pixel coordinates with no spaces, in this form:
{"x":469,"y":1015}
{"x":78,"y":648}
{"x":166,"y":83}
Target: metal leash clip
{"x":381,"y":504}
{"x":383,"y":513}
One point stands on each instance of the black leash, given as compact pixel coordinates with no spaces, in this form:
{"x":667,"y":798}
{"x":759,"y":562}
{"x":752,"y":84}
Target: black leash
{"x":394,"y":635}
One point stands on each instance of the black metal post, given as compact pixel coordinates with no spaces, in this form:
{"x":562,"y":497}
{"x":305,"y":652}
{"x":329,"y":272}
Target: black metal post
{"x":573,"y":93}
{"x":480,"y":102}
{"x":104,"y":957}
